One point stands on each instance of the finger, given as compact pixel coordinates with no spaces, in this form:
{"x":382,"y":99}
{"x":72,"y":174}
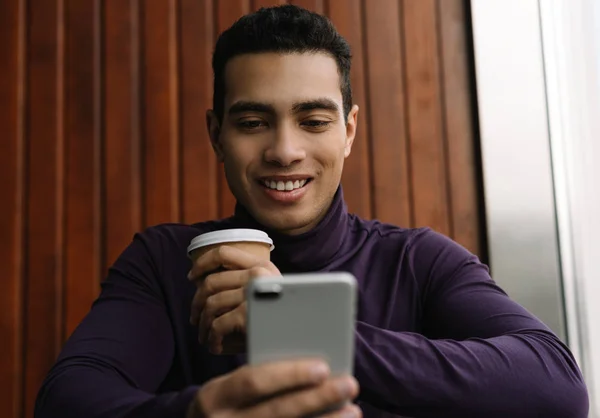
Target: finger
{"x":330,"y":395}
{"x":210,"y":397}
{"x":213,"y":284}
{"x":195,"y":409}
{"x":250,"y":384}
{"x":225,"y":257}
{"x":228,"y":323}
{"x":348,"y":411}
{"x":217,"y":305}
{"x":220,"y":282}
{"x":232,"y":279}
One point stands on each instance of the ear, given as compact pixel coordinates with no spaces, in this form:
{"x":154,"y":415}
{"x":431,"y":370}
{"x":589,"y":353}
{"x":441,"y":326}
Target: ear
{"x":351,"y":130}
{"x":214,"y":132}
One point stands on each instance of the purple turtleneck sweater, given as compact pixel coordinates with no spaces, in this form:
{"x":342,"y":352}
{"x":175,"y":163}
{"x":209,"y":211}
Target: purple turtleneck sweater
{"x":435,"y":336}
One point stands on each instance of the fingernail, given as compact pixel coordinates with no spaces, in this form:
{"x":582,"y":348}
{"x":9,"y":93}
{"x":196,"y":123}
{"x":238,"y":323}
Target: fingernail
{"x":319,"y":371}
{"x":351,"y":412}
{"x":346,"y":387}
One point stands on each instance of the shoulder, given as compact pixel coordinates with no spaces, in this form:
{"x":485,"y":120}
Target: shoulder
{"x":422,"y":239}
{"x":175,"y":235}
{"x":385,"y":235}
{"x":439,"y":254}
{"x":438,"y":263}
{"x":164,"y":244}
{"x":423,"y":250}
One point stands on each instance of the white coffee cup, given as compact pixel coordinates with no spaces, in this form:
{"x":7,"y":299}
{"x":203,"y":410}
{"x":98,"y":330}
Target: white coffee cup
{"x":253,"y":241}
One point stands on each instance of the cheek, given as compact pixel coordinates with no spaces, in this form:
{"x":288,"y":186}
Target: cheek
{"x":235,"y":148}
{"x":330,"y":152}
{"x":240,"y":156}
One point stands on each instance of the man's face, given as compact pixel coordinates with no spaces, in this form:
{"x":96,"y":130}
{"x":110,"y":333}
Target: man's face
{"x":283,"y":138}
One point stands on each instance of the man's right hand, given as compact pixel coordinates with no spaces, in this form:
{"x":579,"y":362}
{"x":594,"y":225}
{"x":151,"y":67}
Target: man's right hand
{"x":281,"y":389}
{"x":219,"y":305}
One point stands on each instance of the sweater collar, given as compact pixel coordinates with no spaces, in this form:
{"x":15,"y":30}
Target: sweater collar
{"x":310,"y":251}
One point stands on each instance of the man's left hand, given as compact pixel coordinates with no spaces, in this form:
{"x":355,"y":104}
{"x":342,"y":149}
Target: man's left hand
{"x":219,"y":305}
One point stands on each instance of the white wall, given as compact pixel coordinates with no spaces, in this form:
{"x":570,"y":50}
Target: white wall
{"x":517,"y":170}
{"x":538,"y":81}
{"x":571,"y":39}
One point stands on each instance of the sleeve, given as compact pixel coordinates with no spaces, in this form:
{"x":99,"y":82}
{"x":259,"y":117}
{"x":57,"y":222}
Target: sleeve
{"x":114,"y":362}
{"x":481,"y":354}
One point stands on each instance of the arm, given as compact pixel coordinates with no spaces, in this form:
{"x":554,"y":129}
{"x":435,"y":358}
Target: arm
{"x":116,"y":359}
{"x":481,"y":353}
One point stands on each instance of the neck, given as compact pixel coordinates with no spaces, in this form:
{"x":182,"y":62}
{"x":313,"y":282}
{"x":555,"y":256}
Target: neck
{"x":309,"y":249}
{"x":303,"y":229}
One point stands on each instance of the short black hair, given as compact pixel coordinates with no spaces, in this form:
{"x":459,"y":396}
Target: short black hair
{"x":283,"y":29}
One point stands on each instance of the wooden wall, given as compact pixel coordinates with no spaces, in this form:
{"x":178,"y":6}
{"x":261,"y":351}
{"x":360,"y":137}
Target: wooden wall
{"x":102,"y":131}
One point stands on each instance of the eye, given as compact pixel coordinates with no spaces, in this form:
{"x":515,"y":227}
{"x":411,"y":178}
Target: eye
{"x":251,"y":124}
{"x":316,"y":124}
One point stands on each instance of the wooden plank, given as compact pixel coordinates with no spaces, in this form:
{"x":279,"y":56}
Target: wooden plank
{"x":200,"y":198}
{"x":428,"y":159}
{"x":356,"y":180}
{"x":465,"y":202}
{"x":122,"y":160}
{"x":44,"y":207}
{"x":257,"y":4}
{"x":227,"y":11}
{"x":387,"y":119}
{"x":312,"y":5}
{"x":161,"y":116}
{"x":12,"y":71}
{"x":84,"y":260}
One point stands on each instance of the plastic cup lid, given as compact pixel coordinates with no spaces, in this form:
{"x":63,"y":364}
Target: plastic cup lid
{"x":230,"y":235}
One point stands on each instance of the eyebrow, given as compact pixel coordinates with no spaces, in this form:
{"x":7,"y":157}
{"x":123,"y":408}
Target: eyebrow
{"x":316,"y":104}
{"x":246,"y":106}
{"x":304,"y":106}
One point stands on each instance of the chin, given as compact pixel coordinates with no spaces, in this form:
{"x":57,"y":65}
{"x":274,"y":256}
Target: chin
{"x":285,"y":224}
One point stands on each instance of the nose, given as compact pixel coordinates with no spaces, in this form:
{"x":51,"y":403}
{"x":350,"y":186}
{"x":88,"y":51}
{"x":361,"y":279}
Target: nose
{"x":286,"y":148}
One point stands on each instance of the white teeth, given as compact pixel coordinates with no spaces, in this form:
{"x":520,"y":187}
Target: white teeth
{"x":284,"y":186}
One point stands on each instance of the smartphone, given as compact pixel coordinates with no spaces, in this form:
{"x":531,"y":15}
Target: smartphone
{"x":303,"y":315}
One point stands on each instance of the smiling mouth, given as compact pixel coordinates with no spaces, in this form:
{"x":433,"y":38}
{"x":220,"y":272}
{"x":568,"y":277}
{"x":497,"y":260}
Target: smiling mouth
{"x":285,"y":185}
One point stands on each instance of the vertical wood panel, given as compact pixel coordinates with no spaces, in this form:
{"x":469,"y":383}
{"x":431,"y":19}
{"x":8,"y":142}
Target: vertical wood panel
{"x":346,"y":16}
{"x":104,"y":133}
{"x":391,"y":185}
{"x":257,"y":4}
{"x":12,"y":27}
{"x":460,"y":137}
{"x":83,"y":135}
{"x":45,"y":193}
{"x":313,"y":5}
{"x":122,"y":125}
{"x":227,"y":12}
{"x":425,"y":116}
{"x":199,"y":163}
{"x":161,"y":116}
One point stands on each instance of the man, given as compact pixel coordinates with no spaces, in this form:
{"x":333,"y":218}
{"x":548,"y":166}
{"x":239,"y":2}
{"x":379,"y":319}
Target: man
{"x":435,"y":337}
